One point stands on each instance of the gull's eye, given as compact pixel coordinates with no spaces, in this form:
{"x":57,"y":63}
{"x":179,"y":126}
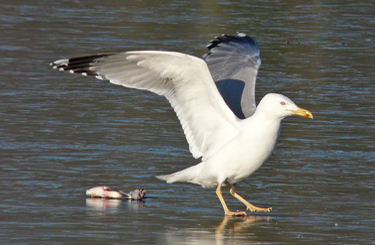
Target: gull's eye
{"x":282,"y":103}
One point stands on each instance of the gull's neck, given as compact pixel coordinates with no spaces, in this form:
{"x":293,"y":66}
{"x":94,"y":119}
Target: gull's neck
{"x":263,"y":124}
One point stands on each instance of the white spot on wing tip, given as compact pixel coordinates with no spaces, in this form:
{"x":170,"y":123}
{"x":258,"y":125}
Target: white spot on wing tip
{"x":240,"y":34}
{"x":71,"y":71}
{"x":84,"y":74}
{"x":61,"y":62}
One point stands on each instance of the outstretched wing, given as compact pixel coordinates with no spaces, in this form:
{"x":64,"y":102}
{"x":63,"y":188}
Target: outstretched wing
{"x":184,"y":80}
{"x":234,"y":62}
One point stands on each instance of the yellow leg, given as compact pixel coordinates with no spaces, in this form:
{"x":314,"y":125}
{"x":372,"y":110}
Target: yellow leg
{"x":226,"y":210}
{"x":249,"y":206}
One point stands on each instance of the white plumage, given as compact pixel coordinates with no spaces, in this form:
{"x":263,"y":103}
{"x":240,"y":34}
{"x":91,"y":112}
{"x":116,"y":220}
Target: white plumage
{"x":231,"y":149}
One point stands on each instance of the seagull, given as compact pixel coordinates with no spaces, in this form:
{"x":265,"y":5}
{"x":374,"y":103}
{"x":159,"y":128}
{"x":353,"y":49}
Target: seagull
{"x":231,"y":136}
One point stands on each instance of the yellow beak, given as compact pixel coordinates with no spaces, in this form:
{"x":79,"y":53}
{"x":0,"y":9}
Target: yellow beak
{"x":303,"y":113}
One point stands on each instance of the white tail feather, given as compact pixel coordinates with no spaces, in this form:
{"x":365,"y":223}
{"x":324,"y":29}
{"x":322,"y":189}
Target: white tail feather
{"x":186,"y":175}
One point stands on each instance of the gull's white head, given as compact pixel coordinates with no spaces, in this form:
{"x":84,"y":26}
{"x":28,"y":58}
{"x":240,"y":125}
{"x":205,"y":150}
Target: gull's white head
{"x":280,"y":106}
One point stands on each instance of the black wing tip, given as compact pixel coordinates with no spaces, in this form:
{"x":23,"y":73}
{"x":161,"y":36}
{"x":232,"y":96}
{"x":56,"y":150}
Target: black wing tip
{"x":80,"y":64}
{"x":224,"y":38}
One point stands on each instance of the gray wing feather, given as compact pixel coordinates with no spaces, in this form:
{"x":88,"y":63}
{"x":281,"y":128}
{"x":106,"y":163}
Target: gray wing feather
{"x":232,"y":60}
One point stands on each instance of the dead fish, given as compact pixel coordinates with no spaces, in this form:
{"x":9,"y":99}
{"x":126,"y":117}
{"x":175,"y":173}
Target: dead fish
{"x":107,"y":192}
{"x":103,"y":191}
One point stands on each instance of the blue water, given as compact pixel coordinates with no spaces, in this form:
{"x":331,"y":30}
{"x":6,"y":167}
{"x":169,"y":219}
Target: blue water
{"x":61,"y":134}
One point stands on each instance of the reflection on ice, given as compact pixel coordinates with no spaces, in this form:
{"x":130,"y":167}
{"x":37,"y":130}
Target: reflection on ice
{"x":105,"y":205}
{"x":227,"y":229}
{"x":102,"y":204}
{"x":231,"y":225}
